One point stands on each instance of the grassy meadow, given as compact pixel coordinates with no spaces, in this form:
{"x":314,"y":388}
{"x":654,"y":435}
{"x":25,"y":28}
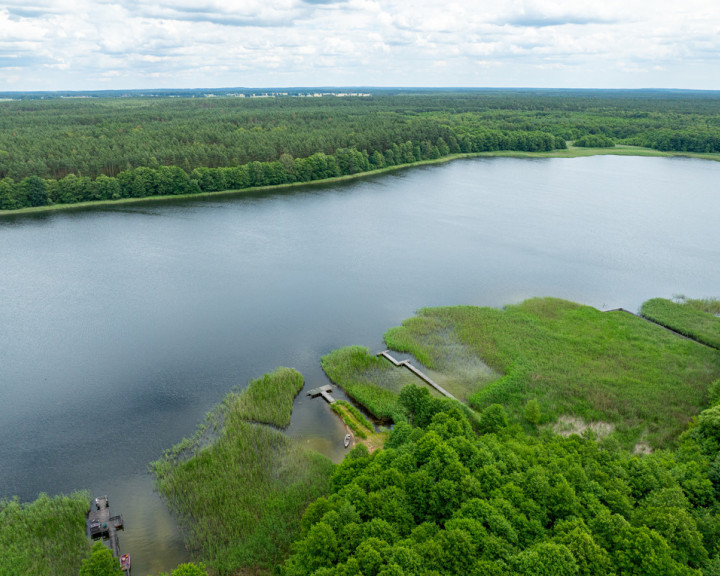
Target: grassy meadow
{"x":45,"y":537}
{"x":696,"y":319}
{"x":240,"y":499}
{"x":574,"y":359}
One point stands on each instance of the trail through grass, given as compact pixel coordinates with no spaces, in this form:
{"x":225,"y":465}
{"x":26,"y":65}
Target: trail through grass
{"x":696,"y":319}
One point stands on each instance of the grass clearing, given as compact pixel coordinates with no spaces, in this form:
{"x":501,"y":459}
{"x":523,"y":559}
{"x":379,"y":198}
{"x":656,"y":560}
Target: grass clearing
{"x":362,"y":430}
{"x":240,"y":498}
{"x":576,"y":360}
{"x":45,"y":537}
{"x":696,"y":319}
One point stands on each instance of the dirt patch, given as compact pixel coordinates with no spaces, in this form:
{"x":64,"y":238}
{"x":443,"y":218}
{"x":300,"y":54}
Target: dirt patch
{"x":642,"y":448}
{"x":569,"y":425}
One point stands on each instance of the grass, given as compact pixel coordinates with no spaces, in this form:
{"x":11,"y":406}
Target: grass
{"x":575,"y":360}
{"x":696,"y":319}
{"x":45,"y":537}
{"x":370,"y":381}
{"x":240,"y":498}
{"x":570,"y":152}
{"x":363,"y":431}
{"x":268,"y":400}
{"x":353,"y":418}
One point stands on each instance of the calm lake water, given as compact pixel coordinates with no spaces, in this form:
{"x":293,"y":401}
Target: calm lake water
{"x":121,"y":327}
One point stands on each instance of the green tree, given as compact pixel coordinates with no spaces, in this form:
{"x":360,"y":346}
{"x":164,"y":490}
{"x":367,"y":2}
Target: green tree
{"x":101,"y":562}
{"x":532,"y":412}
{"x":493,"y":419}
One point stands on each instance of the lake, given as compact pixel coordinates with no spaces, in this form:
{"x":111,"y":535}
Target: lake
{"x":121,"y":326}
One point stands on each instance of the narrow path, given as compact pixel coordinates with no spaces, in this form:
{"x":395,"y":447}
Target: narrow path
{"x":662,"y":326}
{"x":424,"y":377}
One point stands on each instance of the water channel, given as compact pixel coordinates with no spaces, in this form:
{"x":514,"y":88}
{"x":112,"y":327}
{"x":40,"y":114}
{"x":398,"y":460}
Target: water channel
{"x":121,"y":326}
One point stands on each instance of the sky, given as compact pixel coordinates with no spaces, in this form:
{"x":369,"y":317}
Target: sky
{"x":137,"y":44}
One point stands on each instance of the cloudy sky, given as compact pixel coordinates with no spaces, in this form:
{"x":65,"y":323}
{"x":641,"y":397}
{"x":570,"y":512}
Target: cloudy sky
{"x":105,"y":44}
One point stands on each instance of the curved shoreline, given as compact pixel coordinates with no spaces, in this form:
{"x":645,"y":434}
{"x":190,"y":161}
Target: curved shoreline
{"x":570,"y":152}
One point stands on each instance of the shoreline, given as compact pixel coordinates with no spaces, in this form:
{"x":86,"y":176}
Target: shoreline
{"x":570,"y":152}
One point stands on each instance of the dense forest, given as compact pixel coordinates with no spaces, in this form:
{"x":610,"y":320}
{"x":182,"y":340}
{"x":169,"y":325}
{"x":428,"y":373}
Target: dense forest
{"x":446,"y":496}
{"x":62,"y":151}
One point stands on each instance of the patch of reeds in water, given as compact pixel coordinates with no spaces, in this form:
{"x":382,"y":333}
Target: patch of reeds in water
{"x":240,"y":499}
{"x":46,"y":537}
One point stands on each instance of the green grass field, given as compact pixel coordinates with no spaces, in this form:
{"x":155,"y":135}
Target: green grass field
{"x":696,"y":319}
{"x":576,"y":360}
{"x":45,"y":537}
{"x":240,"y":498}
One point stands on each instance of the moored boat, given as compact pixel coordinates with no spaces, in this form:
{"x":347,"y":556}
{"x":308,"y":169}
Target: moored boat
{"x":347,"y":440}
{"x":125,"y":562}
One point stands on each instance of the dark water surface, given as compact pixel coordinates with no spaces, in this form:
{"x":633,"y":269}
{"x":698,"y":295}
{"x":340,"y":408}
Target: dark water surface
{"x":121,"y":327}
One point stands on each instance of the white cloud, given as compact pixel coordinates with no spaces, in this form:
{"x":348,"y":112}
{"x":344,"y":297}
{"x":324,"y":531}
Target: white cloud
{"x":137,"y":43}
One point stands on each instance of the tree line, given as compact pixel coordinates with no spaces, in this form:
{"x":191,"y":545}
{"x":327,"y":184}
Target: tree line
{"x":88,"y":139}
{"x":33,"y":191}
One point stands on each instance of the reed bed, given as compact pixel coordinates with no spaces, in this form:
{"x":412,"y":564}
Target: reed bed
{"x":370,"y":381}
{"x":45,"y":537}
{"x":240,"y":499}
{"x":575,"y":360}
{"x":268,"y":400}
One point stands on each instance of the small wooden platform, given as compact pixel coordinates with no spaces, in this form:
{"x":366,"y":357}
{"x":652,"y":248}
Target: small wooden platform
{"x":424,"y":377}
{"x":323,"y":391}
{"x":102,"y":526}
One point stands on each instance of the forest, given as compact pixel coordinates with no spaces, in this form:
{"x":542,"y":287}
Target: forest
{"x":66,"y":150}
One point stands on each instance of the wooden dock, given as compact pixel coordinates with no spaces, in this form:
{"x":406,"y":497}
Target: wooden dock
{"x":424,"y":377}
{"x":102,"y":526}
{"x":323,"y":391}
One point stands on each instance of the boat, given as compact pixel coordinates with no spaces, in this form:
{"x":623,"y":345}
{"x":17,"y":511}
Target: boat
{"x":125,"y":562}
{"x":347,"y":440}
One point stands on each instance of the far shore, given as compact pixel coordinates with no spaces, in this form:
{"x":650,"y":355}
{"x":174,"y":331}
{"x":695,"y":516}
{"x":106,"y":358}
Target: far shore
{"x":570,"y":152}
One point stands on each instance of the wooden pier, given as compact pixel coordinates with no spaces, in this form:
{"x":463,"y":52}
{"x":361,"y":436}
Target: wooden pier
{"x":323,"y":391}
{"x":102,"y":526}
{"x":424,"y":377}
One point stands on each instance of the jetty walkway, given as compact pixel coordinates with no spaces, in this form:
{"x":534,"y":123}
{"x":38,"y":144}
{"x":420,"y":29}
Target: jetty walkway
{"x":323,"y":391}
{"x":424,"y":377}
{"x":102,"y":526}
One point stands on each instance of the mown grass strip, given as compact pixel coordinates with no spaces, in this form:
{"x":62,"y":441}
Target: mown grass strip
{"x":575,"y":360}
{"x":45,"y":537}
{"x":352,"y":417}
{"x":693,"y":318}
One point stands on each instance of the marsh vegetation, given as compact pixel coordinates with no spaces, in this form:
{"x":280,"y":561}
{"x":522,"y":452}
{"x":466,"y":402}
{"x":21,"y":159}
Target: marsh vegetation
{"x":45,"y":537}
{"x":240,"y":498}
{"x":698,"y":319}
